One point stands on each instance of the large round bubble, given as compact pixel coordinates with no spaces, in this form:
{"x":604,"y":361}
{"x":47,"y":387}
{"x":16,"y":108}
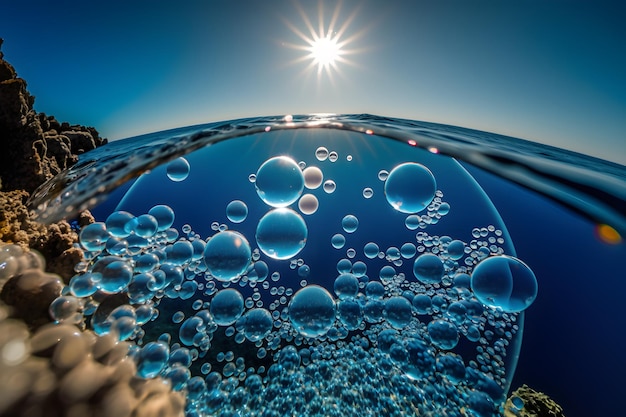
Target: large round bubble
{"x":281,"y":233}
{"x":178,"y":169}
{"x":227,"y":255}
{"x":428,"y":268}
{"x":346,"y":285}
{"x":398,"y":311}
{"x":226,"y":306}
{"x":256,"y":324}
{"x":236,"y":211}
{"x":350,"y":313}
{"x":505,"y":282}
{"x":410,"y":187}
{"x":164,"y":216}
{"x":94,"y":236}
{"x":312,"y":311}
{"x":443,"y":334}
{"x":279,"y":181}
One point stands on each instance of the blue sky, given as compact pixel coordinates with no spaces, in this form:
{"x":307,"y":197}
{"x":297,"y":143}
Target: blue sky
{"x":549,"y":71}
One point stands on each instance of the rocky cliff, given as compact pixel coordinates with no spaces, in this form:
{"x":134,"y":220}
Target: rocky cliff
{"x":35,"y":146}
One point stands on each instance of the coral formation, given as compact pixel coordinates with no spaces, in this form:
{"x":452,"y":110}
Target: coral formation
{"x":55,"y":242}
{"x":62,"y":371}
{"x":526,"y":402}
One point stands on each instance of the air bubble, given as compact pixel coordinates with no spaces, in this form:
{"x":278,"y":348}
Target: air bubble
{"x":329,"y":186}
{"x":236,"y":211}
{"x":308,"y":204}
{"x":279,"y":181}
{"x":312,"y":311}
{"x":227,"y":306}
{"x":350,"y":223}
{"x":313,"y":177}
{"x":281,"y":233}
{"x":505,"y":282}
{"x":410,"y":187}
{"x":321,"y":153}
{"x":227,"y":255}
{"x":178,"y":170}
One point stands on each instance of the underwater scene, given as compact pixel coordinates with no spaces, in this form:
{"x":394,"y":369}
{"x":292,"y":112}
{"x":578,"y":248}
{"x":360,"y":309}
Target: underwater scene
{"x":351,"y":265}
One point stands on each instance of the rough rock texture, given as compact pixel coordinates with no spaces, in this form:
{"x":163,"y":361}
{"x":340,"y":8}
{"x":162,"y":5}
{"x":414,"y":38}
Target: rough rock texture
{"x":30,"y":295}
{"x":55,"y":242}
{"x":61,"y":371}
{"x":535,"y":404}
{"x":35,"y":146}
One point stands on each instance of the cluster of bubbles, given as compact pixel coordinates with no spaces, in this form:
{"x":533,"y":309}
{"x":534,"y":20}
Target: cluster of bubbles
{"x":60,"y":370}
{"x":426,"y":333}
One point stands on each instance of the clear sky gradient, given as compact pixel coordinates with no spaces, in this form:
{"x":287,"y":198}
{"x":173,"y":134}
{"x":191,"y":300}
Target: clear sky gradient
{"x":550,"y":71}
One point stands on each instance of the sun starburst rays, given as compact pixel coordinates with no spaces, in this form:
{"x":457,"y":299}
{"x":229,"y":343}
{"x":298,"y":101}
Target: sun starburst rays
{"x":325,"y":48}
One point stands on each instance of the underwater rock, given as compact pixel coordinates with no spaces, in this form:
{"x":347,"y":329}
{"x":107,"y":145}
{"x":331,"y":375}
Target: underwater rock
{"x":526,"y":402}
{"x":61,"y":371}
{"x":30,"y":295}
{"x":35,"y":146}
{"x":55,"y":242}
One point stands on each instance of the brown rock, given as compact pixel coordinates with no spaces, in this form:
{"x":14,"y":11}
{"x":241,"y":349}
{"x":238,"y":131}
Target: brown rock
{"x":80,"y":141}
{"x":30,"y":294}
{"x":36,"y":147}
{"x":535,"y":404}
{"x":55,"y":242}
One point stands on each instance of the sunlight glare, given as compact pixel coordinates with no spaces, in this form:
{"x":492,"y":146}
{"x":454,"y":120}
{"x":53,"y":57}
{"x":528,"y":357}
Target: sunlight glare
{"x":325,"y":51}
{"x":326,"y":46}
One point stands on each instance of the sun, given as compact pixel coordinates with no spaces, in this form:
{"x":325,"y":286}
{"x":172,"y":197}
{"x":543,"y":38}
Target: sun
{"x":325,"y":48}
{"x":325,"y":51}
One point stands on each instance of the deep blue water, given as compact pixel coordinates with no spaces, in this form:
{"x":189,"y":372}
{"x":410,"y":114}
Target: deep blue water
{"x":572,"y":340}
{"x":573,"y":348}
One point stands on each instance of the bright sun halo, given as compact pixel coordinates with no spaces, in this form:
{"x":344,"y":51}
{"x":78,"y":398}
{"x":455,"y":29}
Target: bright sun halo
{"x":325,"y":47}
{"x":325,"y":51}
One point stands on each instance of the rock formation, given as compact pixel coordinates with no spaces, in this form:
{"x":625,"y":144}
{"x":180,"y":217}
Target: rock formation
{"x":53,"y":369}
{"x":526,"y":402}
{"x":35,"y":146}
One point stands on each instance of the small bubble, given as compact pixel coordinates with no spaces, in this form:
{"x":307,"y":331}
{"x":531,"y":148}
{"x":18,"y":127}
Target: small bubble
{"x":329,"y":186}
{"x":321,"y":153}
{"x":313,"y":177}
{"x":178,"y":170}
{"x":338,"y":241}
{"x":308,"y":204}
{"x":350,"y":223}
{"x":236,"y":211}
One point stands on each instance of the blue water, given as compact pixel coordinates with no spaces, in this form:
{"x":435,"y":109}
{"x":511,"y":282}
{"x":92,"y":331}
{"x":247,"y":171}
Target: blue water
{"x":392,"y":353}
